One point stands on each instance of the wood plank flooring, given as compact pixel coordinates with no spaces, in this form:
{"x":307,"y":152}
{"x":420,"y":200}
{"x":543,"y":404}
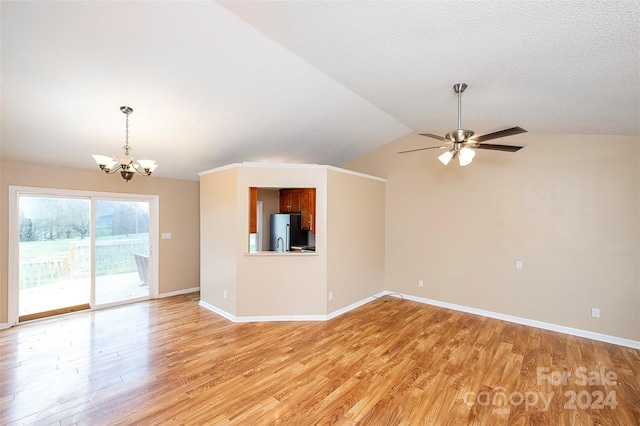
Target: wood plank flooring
{"x":389,"y":362}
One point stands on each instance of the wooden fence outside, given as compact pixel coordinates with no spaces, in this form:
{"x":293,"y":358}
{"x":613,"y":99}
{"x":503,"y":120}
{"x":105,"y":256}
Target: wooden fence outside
{"x":112,"y":257}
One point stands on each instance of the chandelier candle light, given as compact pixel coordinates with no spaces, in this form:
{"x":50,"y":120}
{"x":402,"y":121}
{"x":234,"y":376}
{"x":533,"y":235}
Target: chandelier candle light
{"x":125,"y":164}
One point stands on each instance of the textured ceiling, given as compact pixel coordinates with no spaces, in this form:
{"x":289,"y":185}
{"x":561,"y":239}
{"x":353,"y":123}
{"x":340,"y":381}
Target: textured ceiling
{"x":310,"y":82}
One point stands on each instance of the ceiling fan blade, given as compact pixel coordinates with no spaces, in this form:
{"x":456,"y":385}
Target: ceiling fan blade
{"x":431,"y":135}
{"x":500,"y":134}
{"x":508,"y":148}
{"x":422,"y":149}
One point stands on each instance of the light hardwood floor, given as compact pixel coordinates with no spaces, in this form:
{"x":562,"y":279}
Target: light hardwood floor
{"x":389,"y":362}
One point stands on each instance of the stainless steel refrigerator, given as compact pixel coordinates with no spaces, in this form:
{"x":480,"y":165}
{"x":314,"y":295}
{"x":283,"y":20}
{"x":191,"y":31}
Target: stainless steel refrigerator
{"x":286,"y":231}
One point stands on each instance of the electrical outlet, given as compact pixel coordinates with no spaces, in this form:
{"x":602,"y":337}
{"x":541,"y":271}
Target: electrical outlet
{"x":225,"y":294}
{"x":420,"y":283}
{"x":595,"y":312}
{"x":330,"y":295}
{"x":518,"y":264}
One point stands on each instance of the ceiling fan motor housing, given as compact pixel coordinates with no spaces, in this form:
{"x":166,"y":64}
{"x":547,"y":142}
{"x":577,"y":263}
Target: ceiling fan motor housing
{"x":459,"y":135}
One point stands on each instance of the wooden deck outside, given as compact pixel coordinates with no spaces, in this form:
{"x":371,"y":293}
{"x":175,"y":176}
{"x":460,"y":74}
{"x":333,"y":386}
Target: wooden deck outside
{"x":73,"y":292}
{"x":389,"y":362}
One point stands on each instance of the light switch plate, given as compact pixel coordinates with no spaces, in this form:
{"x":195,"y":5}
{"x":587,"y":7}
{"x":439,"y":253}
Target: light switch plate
{"x":166,"y":235}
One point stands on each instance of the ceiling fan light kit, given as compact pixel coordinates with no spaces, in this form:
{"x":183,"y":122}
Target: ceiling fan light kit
{"x":459,"y":142}
{"x":125,"y":163}
{"x":446,"y":157}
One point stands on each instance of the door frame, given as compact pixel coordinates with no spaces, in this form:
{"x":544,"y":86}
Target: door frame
{"x":14,"y":239}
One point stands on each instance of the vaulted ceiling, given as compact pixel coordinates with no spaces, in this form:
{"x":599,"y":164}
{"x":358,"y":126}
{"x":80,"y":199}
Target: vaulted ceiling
{"x":300,"y":81}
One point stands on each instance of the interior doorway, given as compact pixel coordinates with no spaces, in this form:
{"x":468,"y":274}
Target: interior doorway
{"x":74,"y":250}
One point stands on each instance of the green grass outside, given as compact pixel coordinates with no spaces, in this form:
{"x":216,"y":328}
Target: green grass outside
{"x":62,"y":247}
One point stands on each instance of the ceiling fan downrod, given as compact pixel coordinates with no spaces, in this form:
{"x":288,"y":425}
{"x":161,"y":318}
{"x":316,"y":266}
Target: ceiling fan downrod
{"x":460,"y":135}
{"x":459,"y":88}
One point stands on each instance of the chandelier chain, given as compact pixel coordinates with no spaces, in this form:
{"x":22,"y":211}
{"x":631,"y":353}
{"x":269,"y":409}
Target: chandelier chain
{"x":126,"y":146}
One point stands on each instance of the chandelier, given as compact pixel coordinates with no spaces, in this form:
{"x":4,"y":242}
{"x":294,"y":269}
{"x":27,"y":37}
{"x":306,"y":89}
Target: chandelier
{"x":125,"y":164}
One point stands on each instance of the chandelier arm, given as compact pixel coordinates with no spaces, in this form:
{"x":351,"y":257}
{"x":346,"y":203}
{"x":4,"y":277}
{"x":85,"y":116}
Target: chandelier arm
{"x":112,"y":171}
{"x":137,"y":167}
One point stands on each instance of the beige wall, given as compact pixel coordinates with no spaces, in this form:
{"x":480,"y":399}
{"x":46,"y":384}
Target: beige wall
{"x":257,"y":284}
{"x":566,"y":205}
{"x":356,"y":238}
{"x":274,"y":285}
{"x":179,"y":214}
{"x":219,"y":228}
{"x":282,"y":285}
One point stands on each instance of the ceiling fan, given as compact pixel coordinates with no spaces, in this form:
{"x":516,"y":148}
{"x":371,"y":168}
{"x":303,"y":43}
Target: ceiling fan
{"x":459,"y":142}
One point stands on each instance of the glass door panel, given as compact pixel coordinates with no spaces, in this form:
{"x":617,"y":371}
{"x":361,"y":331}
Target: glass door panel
{"x":121,"y":251}
{"x":54,"y":276}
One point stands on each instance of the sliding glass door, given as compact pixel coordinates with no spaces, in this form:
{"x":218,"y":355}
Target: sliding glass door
{"x":121,"y":251}
{"x":73,"y":250}
{"x":52,"y":279}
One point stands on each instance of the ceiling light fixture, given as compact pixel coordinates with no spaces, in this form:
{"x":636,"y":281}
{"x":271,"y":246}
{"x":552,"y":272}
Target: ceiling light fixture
{"x":466,"y":156}
{"x":446,"y":157}
{"x":125,"y":164}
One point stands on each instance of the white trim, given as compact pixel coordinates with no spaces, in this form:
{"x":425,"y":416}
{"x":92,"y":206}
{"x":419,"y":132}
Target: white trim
{"x":489,"y":314}
{"x":275,"y":318}
{"x":289,"y":166}
{"x":351,"y":172}
{"x":219,"y":169}
{"x":346,"y":309}
{"x":13,"y":257}
{"x":4,"y":325}
{"x":217,"y":310}
{"x":178,"y":292}
{"x":528,"y":322}
{"x":265,"y":318}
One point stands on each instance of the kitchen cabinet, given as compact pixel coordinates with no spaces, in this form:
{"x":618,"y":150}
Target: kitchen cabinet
{"x":253,"y":210}
{"x":309,"y":209}
{"x":290,"y":200}
{"x":301,"y":200}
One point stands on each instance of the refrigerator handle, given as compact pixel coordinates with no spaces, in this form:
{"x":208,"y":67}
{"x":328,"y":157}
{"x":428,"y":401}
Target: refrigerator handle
{"x":286,"y":243}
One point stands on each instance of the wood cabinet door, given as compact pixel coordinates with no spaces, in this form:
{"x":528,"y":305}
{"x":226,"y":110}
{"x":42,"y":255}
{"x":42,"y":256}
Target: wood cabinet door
{"x":290,"y":200}
{"x":309,"y":209}
{"x":253,"y":210}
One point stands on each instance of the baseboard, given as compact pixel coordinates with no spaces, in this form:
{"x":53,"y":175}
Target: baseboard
{"x":489,"y":314}
{"x":273,"y":318}
{"x":179,"y":292}
{"x":217,"y":310}
{"x":346,"y":309}
{"x":525,"y":321}
{"x":4,"y":325}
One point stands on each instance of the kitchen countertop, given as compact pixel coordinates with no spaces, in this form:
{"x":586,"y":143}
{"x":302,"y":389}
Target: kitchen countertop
{"x":286,"y":253}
